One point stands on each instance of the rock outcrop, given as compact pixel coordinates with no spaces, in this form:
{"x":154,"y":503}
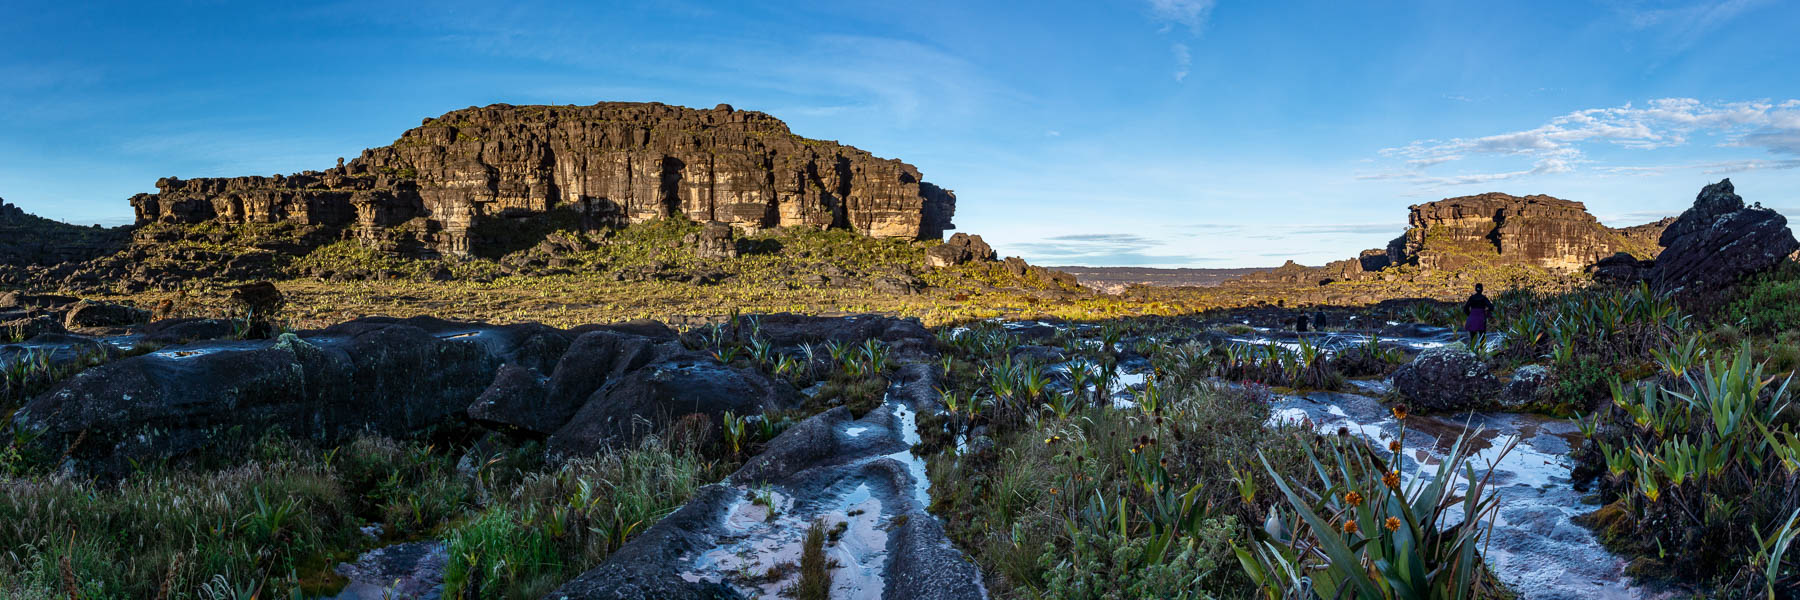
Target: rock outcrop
{"x":1718,"y":241}
{"x":1491,"y":229}
{"x":581,"y":390}
{"x":959,"y":249}
{"x":1538,"y":230}
{"x":27,"y":239}
{"x":468,"y":181}
{"x":1446,"y":379}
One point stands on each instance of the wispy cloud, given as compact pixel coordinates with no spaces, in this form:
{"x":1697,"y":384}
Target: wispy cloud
{"x":1183,"y":60}
{"x":1684,"y":26}
{"x":1560,"y":145}
{"x":1188,"y":14}
{"x":1118,"y":249}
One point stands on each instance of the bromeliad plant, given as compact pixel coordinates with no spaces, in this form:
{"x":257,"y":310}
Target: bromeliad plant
{"x":1705,"y":456}
{"x":1361,"y":532}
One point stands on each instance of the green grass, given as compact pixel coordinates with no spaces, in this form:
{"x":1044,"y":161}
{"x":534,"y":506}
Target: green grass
{"x":553,"y":525}
{"x":815,"y":567}
{"x":1089,"y":502}
{"x":278,"y":521}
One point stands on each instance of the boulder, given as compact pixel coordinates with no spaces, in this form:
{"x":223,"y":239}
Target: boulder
{"x":1718,"y":241}
{"x":646,"y":400}
{"x":1525,"y":385}
{"x":19,"y":330}
{"x":12,"y":300}
{"x":260,"y":299}
{"x":648,"y":328}
{"x":98,"y":314}
{"x":1446,"y":379}
{"x":715,"y":241}
{"x":959,"y":249}
{"x":895,"y":286}
{"x":185,"y":330}
{"x":385,"y":376}
{"x":518,"y":400}
{"x":1619,"y":269}
{"x":514,"y":401}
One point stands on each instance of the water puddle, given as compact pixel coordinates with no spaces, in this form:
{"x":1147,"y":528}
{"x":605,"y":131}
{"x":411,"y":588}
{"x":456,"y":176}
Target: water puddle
{"x":1536,"y":547}
{"x":762,"y":533}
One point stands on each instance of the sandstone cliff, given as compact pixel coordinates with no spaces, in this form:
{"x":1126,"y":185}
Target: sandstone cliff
{"x":1484,"y":230}
{"x":1500,"y":229}
{"x":460,"y":183}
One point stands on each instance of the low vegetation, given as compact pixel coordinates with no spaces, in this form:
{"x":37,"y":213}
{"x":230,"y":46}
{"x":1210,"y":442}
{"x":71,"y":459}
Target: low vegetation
{"x":277,"y":523}
{"x":1187,"y":492}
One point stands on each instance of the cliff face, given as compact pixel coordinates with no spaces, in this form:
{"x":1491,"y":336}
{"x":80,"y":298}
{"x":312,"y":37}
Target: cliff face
{"x":1491,"y":229}
{"x":1494,"y":228}
{"x":456,"y":183}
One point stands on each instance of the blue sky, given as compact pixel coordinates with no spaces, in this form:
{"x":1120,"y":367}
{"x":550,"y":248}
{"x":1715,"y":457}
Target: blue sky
{"x":1129,"y":132}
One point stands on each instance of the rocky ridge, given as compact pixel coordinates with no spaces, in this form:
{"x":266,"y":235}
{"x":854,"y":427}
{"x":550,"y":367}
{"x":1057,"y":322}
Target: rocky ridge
{"x":1484,"y":230}
{"x":27,"y":239}
{"x":467,"y":182}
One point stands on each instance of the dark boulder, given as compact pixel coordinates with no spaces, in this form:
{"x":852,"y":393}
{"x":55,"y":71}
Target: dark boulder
{"x":19,"y":330}
{"x":512,"y":401}
{"x":1446,"y":379}
{"x":186,"y":330}
{"x":520,"y":401}
{"x":12,"y":300}
{"x":385,"y":376}
{"x":1619,"y":269}
{"x":645,"y":400}
{"x":791,"y":330}
{"x":96,"y":314}
{"x":1526,"y":385}
{"x":1718,"y":241}
{"x":649,"y":328}
{"x":259,"y":299}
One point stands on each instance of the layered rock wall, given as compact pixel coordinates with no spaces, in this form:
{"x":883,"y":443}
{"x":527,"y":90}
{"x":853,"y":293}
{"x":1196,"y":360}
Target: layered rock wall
{"x":1540,"y":231}
{"x":458,"y":181}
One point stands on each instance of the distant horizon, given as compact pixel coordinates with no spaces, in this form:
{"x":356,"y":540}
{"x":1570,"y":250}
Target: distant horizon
{"x":1125,"y":133}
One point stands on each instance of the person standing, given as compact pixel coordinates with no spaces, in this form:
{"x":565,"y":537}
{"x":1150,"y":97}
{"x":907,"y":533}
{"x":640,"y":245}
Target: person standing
{"x":1479,"y":309}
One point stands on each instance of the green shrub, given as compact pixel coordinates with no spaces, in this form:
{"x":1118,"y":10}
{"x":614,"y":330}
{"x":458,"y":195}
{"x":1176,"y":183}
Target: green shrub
{"x":1697,"y":469}
{"x":1766,"y":304}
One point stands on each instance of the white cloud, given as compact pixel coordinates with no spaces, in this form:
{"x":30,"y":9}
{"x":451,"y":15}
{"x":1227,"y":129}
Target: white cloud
{"x":1559,"y":146}
{"x":1183,"y":60}
{"x":1189,"y":13}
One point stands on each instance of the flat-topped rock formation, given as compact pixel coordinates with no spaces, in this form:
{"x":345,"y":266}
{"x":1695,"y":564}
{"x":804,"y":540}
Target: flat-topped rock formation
{"x":462,"y":183}
{"x":1484,"y":230}
{"x":1538,"y":230}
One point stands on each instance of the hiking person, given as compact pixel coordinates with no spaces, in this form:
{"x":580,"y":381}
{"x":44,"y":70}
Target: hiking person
{"x":1479,"y":308}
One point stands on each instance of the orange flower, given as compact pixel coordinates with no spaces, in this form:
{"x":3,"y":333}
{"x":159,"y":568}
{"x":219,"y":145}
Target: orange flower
{"x":1350,"y":526}
{"x":1352,"y":498}
{"x":1400,"y":411}
{"x":1392,"y":479}
{"x":1393,"y":523}
{"x":1394,"y":446}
